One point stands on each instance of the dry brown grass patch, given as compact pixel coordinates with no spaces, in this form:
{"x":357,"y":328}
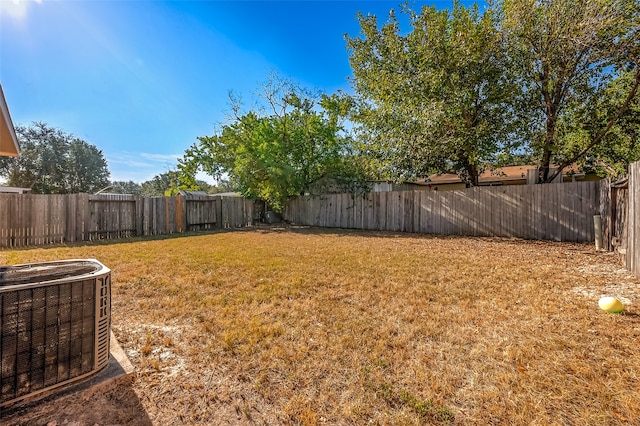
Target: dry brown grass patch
{"x":313,"y":326}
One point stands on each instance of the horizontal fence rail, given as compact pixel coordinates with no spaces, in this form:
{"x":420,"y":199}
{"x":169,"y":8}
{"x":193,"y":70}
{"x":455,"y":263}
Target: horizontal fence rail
{"x":32,"y":220}
{"x":558,"y":212}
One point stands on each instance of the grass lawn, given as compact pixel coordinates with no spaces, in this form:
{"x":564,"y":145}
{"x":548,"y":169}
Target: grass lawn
{"x":309,"y":326}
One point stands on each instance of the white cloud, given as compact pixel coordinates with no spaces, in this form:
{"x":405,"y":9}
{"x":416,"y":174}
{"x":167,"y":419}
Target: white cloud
{"x":139,"y":166}
{"x":143,"y":159}
{"x":16,"y":9}
{"x":161,"y":157}
{"x":127,"y":160}
{"x":143,"y":166}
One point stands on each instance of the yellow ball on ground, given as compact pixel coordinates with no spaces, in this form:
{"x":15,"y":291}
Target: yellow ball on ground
{"x":610,"y":304}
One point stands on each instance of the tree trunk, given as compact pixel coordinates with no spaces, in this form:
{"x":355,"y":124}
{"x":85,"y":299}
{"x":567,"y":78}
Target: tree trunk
{"x":549,"y":143}
{"x":472,"y":172}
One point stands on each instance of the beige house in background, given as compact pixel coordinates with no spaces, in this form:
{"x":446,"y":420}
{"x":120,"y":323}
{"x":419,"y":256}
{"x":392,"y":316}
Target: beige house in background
{"x":8,"y":139}
{"x":509,"y":175}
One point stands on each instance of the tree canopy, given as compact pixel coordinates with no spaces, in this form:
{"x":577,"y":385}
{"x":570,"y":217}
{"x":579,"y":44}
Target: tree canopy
{"x":462,"y":91}
{"x":171,"y":182}
{"x":436,"y":99}
{"x":294,"y":144}
{"x":579,"y":64}
{"x":52,"y":161}
{"x":164,"y":184}
{"x":125,"y":187}
{"x":621,"y":144}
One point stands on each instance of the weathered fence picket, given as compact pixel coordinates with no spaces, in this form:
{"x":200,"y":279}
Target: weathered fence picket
{"x":30,"y":220}
{"x":632,"y":257}
{"x":559,"y":212}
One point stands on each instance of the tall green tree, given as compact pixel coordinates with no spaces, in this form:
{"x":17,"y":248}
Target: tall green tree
{"x":620,"y":146}
{"x":170,"y":183}
{"x":163,"y":184}
{"x":436,"y":99}
{"x":125,"y":187}
{"x":568,"y":53}
{"x":293,"y":145}
{"x":221,"y":185}
{"x":52,"y":161}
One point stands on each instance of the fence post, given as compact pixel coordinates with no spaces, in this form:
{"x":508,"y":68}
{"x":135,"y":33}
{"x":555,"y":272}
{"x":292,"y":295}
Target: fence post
{"x":633,"y":236}
{"x":219,"y":212}
{"x":82,"y":217}
{"x":597,"y":227}
{"x":167,"y":216}
{"x":138,"y":215}
{"x":606,"y":212}
{"x":71,"y":206}
{"x":180,"y":214}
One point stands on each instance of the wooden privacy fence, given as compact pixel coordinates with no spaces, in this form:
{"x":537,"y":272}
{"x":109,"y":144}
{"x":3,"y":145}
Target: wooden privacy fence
{"x":614,"y":210}
{"x":620,"y":211}
{"x":633,"y":225}
{"x":559,"y":212}
{"x":27,"y":219}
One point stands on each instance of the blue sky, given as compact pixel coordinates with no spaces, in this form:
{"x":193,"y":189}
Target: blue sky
{"x":142,"y":79}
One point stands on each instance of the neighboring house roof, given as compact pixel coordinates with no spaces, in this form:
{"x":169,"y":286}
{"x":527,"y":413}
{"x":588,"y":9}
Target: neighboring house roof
{"x":508,"y":173}
{"x":8,"y":139}
{"x":204,"y":194}
{"x":114,"y":196}
{"x":226,"y":194}
{"x":498,"y":176}
{"x":13,"y":190}
{"x":192,"y":193}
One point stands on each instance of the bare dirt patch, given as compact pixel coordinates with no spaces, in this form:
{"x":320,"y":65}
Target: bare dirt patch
{"x":309,"y":326}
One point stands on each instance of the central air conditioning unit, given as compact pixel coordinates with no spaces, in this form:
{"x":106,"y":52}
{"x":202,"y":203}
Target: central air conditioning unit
{"x":56,"y":323}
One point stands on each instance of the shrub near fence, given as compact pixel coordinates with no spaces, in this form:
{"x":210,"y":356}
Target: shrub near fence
{"x":28,"y":219}
{"x":558,"y":212}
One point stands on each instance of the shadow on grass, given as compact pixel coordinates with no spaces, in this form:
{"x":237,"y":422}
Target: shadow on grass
{"x":374,"y":233}
{"x":342,"y":232}
{"x":129,"y":240}
{"x":261,"y":228}
{"x":282,"y":228}
{"x":118,"y":404}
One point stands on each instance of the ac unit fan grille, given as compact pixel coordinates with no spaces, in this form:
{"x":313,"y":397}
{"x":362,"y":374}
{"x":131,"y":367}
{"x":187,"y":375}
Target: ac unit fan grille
{"x":51,"y":335}
{"x":104,"y":321}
